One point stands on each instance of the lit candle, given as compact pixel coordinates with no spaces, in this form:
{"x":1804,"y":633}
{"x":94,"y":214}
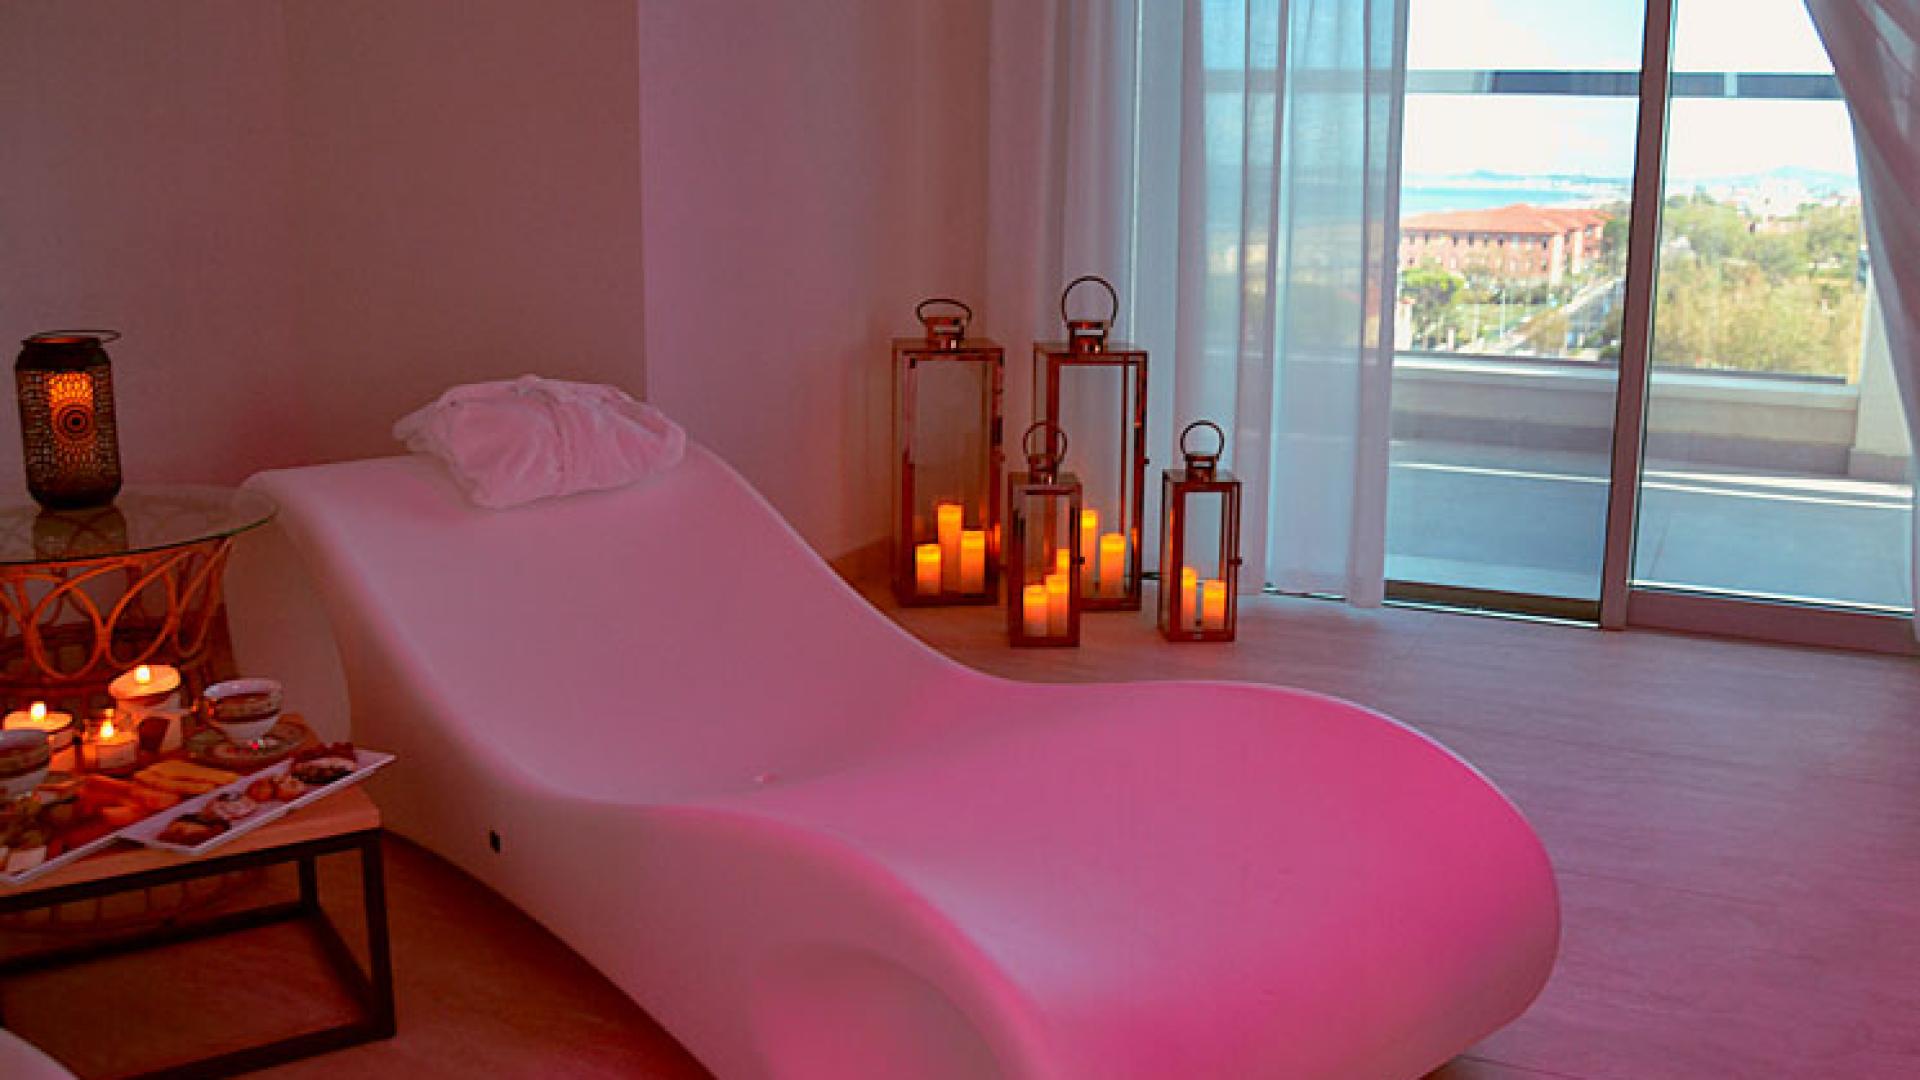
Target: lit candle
{"x":1062,"y":561}
{"x":146,"y":686}
{"x":36,"y":717}
{"x":1089,"y":541}
{"x":1113,"y":562}
{"x":1033,"y":611}
{"x":948,"y":521}
{"x":926,"y":569}
{"x":1188,"y":613}
{"x":973,"y":561}
{"x":1213,"y":604}
{"x":110,"y":749}
{"x":1057,"y":588}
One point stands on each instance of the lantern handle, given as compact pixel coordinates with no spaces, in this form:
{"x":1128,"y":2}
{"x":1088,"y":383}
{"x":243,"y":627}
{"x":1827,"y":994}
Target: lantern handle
{"x":1113,"y":298}
{"x":1218,"y":434}
{"x":1047,"y":454}
{"x":920,"y":309}
{"x":104,"y":337}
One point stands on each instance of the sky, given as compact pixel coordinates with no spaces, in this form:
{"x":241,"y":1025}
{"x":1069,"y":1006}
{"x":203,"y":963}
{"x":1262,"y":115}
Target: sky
{"x":1595,"y":136}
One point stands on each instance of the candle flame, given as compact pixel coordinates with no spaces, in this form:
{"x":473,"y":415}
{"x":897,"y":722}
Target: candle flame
{"x":38,"y":710}
{"x":106,"y":728}
{"x":143,"y":674}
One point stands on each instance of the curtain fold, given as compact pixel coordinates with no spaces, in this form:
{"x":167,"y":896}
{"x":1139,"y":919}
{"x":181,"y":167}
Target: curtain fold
{"x":1232,"y":165}
{"x":1875,"y":47}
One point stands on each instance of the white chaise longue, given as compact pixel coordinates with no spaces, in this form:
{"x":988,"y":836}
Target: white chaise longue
{"x":811,"y":846}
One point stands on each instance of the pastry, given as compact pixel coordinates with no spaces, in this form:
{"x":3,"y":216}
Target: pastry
{"x":192,"y":830}
{"x":187,"y":770}
{"x":261,"y":790}
{"x":231,"y":807}
{"x":288,"y":787}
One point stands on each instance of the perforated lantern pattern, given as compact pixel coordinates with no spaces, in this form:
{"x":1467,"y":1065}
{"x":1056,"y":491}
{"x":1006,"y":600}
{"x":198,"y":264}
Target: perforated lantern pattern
{"x":69,"y":442}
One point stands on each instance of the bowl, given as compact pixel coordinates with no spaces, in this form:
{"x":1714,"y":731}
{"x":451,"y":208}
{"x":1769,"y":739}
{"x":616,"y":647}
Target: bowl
{"x":243,"y":710}
{"x":24,"y":756}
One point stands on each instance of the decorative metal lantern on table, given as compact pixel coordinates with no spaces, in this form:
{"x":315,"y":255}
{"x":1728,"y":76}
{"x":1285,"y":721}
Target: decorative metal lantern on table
{"x":947,"y":459}
{"x":70,"y":442}
{"x":1043,"y":545}
{"x":1199,"y":544}
{"x":1096,"y":389}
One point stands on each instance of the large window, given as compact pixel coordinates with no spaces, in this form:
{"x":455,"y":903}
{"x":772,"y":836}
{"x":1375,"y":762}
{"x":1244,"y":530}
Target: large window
{"x":1774,"y":448}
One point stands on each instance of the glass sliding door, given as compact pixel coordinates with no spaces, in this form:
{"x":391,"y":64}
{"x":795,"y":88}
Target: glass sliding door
{"x":1776,"y":457}
{"x":1519,"y":145}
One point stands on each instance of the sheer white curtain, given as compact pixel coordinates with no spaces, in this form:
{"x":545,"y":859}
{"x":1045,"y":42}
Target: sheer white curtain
{"x":1875,"y":45}
{"x":1232,"y":166}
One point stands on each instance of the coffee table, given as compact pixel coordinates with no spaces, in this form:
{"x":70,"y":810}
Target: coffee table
{"x":344,"y":823}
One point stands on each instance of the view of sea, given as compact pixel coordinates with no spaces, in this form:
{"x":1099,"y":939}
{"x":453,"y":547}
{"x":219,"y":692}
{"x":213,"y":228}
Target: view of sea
{"x":1426,"y":199}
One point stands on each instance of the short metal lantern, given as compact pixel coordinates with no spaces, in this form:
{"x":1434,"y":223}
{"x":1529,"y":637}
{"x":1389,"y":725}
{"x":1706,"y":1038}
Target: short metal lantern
{"x":1096,"y":389}
{"x":947,"y":459}
{"x":1199,"y":544}
{"x":70,"y":442}
{"x":1043,"y":545}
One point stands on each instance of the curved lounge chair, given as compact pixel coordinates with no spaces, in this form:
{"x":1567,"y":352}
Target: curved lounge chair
{"x":813,"y":847}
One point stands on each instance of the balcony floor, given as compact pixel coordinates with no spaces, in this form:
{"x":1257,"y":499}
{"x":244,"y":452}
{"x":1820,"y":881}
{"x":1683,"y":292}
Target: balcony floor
{"x":1512,"y":519}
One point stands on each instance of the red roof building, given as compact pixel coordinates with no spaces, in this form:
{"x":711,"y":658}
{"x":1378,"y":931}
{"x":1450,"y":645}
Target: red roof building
{"x":1518,"y":242}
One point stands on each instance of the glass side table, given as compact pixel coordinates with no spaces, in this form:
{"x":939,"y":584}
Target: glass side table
{"x":88,"y":594}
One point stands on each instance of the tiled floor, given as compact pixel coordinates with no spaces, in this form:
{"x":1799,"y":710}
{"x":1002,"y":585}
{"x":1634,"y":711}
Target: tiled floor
{"x":1736,"y":829}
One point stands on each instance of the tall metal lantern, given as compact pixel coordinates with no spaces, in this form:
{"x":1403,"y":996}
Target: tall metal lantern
{"x":69,"y":440}
{"x":1043,"y":545}
{"x":1096,"y":389}
{"x":1199,"y":544}
{"x":947,"y":459}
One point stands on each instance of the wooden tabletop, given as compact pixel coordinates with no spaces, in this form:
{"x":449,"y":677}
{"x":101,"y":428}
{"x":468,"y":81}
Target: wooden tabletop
{"x":347,"y":811}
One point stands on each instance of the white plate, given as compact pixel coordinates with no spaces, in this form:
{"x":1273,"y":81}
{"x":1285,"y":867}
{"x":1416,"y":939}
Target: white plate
{"x":147,"y":830}
{"x":67,"y":856}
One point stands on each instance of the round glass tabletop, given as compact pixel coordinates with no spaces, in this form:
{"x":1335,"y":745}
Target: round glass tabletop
{"x":144,"y":518}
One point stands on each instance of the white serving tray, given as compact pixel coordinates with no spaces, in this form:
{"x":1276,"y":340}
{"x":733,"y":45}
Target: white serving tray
{"x":147,"y":830}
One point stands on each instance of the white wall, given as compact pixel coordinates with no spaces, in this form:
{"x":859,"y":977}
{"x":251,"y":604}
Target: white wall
{"x":310,"y":216}
{"x":811,"y":171}
{"x":144,"y":176}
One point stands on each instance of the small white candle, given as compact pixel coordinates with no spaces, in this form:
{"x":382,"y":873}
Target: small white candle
{"x":111,"y":748}
{"x":947,"y":519}
{"x":1057,"y":590}
{"x":146,"y":685}
{"x":1188,"y":611}
{"x":1033,"y":611}
{"x":973,"y":561}
{"x":1089,"y":546}
{"x":1113,"y":563}
{"x":926,"y":570}
{"x":1213,"y":604}
{"x":58,"y":726}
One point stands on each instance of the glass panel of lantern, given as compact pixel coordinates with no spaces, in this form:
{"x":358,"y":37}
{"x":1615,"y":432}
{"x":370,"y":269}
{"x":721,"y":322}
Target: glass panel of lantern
{"x":1096,"y":389}
{"x":947,"y":459}
{"x":71,"y":444}
{"x":1199,"y":545}
{"x":1043,"y":545}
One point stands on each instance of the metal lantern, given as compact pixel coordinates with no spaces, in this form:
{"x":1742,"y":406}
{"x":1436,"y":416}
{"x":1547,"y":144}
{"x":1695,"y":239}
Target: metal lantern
{"x":1043,"y":545}
{"x":1199,"y":544}
{"x":1096,"y":389}
{"x":947,"y":459}
{"x":70,"y":443}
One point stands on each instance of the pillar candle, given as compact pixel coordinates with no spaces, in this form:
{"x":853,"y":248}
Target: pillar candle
{"x":1188,"y":614}
{"x":1062,"y":561}
{"x":1113,"y":564}
{"x":1089,"y":549}
{"x":1033,"y":610}
{"x":926,"y":569}
{"x":1057,"y":588}
{"x":947,"y":517}
{"x":973,"y":561}
{"x":1213,"y":604}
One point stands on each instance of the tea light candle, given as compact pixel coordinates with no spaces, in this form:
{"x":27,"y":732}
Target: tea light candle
{"x":1213,"y":604}
{"x":57,"y":726}
{"x":111,"y":748}
{"x":947,"y":520}
{"x":1033,"y":610}
{"x":146,"y":685}
{"x":1188,"y":612}
{"x":926,"y":569}
{"x":1113,"y":562}
{"x":1057,"y":589}
{"x":973,"y":561}
{"x":1089,"y":545}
